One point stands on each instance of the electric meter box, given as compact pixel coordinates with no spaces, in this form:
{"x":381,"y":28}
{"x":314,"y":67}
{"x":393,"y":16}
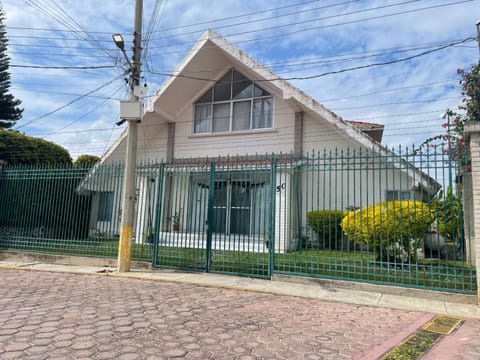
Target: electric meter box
{"x":131,"y":110}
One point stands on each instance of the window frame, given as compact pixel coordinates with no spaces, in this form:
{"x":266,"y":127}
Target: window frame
{"x":397,"y":195}
{"x":105,"y":206}
{"x":232,"y":101}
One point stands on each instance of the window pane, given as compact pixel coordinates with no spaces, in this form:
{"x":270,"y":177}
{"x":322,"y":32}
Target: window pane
{"x":241,"y":115}
{"x":221,"y":117}
{"x":105,"y":206}
{"x":207,"y":97}
{"x":262,"y":113}
{"x":394,"y":195}
{"x":260,"y":92}
{"x":404,"y":195}
{"x":222,"y":89}
{"x":203,"y":118}
{"x":242,"y":87}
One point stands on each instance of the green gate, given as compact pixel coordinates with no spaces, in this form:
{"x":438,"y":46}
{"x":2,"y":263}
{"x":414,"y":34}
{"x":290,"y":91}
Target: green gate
{"x":216,"y":216}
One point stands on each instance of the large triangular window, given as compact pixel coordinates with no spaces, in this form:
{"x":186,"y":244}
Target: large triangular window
{"x":234,"y":103}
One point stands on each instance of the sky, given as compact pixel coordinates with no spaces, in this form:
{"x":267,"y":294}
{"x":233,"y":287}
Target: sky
{"x":392,"y":62}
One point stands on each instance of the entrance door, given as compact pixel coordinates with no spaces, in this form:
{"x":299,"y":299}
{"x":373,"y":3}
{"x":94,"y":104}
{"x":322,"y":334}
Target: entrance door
{"x":231,"y":207}
{"x":240,"y":207}
{"x":220,"y":207}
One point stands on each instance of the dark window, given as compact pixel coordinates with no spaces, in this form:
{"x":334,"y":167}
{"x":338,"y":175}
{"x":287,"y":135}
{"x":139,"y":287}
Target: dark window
{"x":105,"y":206}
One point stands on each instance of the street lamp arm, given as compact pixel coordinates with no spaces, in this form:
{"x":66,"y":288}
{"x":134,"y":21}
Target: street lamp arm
{"x":118,"y":40}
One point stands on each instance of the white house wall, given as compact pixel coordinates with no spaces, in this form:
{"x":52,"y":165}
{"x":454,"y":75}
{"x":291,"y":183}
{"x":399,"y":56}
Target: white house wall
{"x":318,"y":135}
{"x":283,"y":206}
{"x":146,"y":201}
{"x":341,"y":189}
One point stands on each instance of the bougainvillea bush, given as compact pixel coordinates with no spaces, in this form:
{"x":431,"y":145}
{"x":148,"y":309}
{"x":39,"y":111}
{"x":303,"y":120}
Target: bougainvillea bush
{"x":386,"y":225}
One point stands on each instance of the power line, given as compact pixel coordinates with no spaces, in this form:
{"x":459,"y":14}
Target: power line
{"x":44,"y":54}
{"x":76,"y":131}
{"x":397,"y":103}
{"x":312,"y":60}
{"x":88,"y":112}
{"x":286,"y":25}
{"x":245,"y":15}
{"x":388,"y":90}
{"x":293,"y":13}
{"x":63,"y":93}
{"x":334,"y":71}
{"x":56,"y":12}
{"x":63,"y":67}
{"x":318,"y":27}
{"x":342,"y":57}
{"x":66,"y":105}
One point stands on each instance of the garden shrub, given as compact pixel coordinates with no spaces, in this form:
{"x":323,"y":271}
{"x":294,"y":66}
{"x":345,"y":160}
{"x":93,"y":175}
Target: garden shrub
{"x":326,"y":224}
{"x":388,"y":225}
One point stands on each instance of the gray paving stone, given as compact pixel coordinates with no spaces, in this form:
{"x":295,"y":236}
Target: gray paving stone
{"x":100,"y":317}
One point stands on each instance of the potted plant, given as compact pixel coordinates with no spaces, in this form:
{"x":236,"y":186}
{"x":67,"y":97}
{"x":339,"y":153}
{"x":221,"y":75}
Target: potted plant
{"x":175,"y":219}
{"x":150,"y":235}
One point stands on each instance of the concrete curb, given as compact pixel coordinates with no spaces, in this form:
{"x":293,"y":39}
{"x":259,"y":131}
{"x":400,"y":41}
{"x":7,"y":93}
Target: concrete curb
{"x":275,"y":287}
{"x":397,"y":338}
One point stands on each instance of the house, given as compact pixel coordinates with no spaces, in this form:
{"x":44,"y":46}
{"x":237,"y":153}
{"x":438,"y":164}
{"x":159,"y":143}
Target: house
{"x":221,"y":106}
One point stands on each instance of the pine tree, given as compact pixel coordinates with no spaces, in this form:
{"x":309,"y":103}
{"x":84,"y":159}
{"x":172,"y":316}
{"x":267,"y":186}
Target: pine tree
{"x":10,"y":112}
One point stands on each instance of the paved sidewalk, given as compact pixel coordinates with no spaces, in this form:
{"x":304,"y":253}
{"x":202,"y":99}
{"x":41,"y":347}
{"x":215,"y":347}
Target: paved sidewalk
{"x":60,"y":312}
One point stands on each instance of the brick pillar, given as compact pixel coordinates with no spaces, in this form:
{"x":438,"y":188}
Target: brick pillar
{"x":472,"y":190}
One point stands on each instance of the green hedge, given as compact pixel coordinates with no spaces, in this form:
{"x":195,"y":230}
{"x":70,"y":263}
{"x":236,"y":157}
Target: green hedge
{"x":326,"y":224}
{"x":44,"y":198}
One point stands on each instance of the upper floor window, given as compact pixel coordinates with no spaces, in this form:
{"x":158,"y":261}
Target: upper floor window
{"x":234,"y":103}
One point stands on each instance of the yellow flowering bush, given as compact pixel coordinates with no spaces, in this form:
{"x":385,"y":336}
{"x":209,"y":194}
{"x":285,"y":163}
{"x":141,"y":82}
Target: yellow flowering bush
{"x":384,"y":224}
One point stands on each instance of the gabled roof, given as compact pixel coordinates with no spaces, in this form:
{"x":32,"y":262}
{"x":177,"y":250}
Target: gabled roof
{"x":189,"y":72}
{"x":191,"y":78}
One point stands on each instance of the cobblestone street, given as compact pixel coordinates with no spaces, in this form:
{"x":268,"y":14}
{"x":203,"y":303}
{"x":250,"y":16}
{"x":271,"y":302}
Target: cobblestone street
{"x":70,"y":316}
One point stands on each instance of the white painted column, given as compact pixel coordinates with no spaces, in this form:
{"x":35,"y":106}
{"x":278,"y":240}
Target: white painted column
{"x":472,"y":134}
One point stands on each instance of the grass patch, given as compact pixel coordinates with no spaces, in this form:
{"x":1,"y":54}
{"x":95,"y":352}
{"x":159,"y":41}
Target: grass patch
{"x":436,"y":274}
{"x":354,"y":265}
{"x":103,"y":247}
{"x":414,"y":347}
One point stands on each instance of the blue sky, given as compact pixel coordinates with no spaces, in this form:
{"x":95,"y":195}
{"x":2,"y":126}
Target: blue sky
{"x":70,"y":77}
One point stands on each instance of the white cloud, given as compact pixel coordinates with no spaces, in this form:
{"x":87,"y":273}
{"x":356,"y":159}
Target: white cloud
{"x":289,"y":43}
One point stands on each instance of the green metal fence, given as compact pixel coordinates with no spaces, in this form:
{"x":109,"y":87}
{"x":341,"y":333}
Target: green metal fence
{"x":67,"y":210}
{"x":383,"y":217}
{"x":389,"y":218}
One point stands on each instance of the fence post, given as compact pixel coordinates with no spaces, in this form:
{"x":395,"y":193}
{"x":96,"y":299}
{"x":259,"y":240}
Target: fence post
{"x":208,"y":251}
{"x":158,"y":213}
{"x":271,"y":216}
{"x":472,"y":191}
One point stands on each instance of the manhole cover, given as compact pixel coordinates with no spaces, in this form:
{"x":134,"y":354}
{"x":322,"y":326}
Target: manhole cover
{"x":442,"y":324}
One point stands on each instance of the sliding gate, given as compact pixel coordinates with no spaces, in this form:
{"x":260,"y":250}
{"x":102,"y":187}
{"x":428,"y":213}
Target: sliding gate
{"x":216,"y":217}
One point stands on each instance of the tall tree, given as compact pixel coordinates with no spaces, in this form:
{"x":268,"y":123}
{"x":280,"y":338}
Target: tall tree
{"x":86,"y":160}
{"x":10,"y":111}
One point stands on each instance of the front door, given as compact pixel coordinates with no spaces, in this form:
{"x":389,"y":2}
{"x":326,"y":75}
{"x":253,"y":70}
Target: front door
{"x":231,"y":207}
